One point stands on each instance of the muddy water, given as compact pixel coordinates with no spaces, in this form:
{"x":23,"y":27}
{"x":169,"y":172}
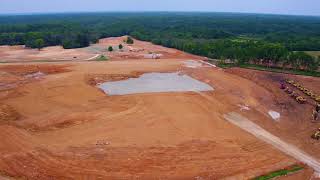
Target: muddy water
{"x":155,"y":82}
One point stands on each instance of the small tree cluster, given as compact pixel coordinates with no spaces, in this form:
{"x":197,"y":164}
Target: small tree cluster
{"x":129,"y":40}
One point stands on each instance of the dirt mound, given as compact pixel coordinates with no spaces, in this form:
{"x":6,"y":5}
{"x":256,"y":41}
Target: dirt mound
{"x":8,"y":113}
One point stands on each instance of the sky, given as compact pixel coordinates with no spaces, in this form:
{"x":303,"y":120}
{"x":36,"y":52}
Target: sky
{"x":292,"y":7}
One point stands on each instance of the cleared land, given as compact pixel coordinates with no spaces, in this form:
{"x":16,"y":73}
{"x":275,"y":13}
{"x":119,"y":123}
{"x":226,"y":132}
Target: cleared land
{"x":140,"y":50}
{"x":58,"y":125}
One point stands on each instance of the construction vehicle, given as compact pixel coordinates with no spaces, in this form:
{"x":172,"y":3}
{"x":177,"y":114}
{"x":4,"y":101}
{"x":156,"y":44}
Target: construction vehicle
{"x":288,"y":91}
{"x":282,"y":85}
{"x":296,"y":85}
{"x":313,"y":96}
{"x":301,"y":99}
{"x":316,"y":135}
{"x":294,"y":95}
{"x":305,"y":90}
{"x":301,"y":88}
{"x":309,"y":93}
{"x":289,"y":81}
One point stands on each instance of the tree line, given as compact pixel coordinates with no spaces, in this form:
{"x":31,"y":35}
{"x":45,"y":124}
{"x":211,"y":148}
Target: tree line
{"x":242,"y":38}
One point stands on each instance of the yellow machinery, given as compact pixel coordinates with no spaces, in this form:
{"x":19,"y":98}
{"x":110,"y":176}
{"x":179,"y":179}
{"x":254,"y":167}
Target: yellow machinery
{"x":316,"y":135}
{"x":301,"y":99}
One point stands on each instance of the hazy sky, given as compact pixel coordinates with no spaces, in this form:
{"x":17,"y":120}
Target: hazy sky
{"x":302,"y":7}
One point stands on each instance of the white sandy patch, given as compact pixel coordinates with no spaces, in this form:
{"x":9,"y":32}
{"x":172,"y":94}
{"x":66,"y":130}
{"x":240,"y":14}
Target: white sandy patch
{"x":36,"y":75}
{"x":275,"y":115}
{"x":192,"y":64}
{"x":94,"y":57}
{"x":244,"y":107}
{"x":209,"y":64}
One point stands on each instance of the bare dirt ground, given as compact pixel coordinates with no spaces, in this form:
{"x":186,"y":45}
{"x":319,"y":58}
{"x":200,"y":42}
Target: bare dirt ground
{"x":57,"y":125}
{"x":138,"y":50}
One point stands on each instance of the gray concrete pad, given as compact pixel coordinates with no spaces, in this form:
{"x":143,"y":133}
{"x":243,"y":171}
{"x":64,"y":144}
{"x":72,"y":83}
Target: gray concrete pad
{"x":155,"y":82}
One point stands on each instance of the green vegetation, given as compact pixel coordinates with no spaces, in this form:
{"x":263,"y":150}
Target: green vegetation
{"x":120,"y":46}
{"x":278,"y":173}
{"x":101,"y":58}
{"x":110,"y":48}
{"x":280,"y":70}
{"x":268,"y":40}
{"x":129,"y":40}
{"x":39,"y":43}
{"x":313,"y":53}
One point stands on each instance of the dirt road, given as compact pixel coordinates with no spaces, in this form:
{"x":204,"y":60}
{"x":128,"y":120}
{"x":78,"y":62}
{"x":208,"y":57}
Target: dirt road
{"x":264,"y":135}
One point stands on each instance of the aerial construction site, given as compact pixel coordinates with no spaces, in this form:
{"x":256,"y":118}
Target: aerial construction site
{"x":150,"y":112}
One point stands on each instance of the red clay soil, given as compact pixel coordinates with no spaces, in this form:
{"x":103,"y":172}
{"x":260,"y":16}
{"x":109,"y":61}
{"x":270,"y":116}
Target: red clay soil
{"x":66,"y":128}
{"x":13,"y":76}
{"x":33,"y":68}
{"x":69,"y":129}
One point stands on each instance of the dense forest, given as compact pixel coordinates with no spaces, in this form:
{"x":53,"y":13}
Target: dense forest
{"x":244,"y":38}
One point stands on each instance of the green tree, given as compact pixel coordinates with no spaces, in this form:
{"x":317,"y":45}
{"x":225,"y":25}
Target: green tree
{"x":110,"y":48}
{"x":120,"y":46}
{"x":39,"y":43}
{"x":130,"y":40}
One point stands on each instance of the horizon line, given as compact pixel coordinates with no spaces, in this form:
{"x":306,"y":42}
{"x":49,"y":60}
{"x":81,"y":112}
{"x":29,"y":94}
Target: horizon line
{"x":147,"y":11}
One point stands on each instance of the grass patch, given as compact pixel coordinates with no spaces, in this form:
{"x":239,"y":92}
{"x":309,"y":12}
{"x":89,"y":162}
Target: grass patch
{"x":282,"y":172}
{"x":226,"y":66}
{"x":271,"y":69}
{"x":102,"y":58}
{"x":313,"y":53}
